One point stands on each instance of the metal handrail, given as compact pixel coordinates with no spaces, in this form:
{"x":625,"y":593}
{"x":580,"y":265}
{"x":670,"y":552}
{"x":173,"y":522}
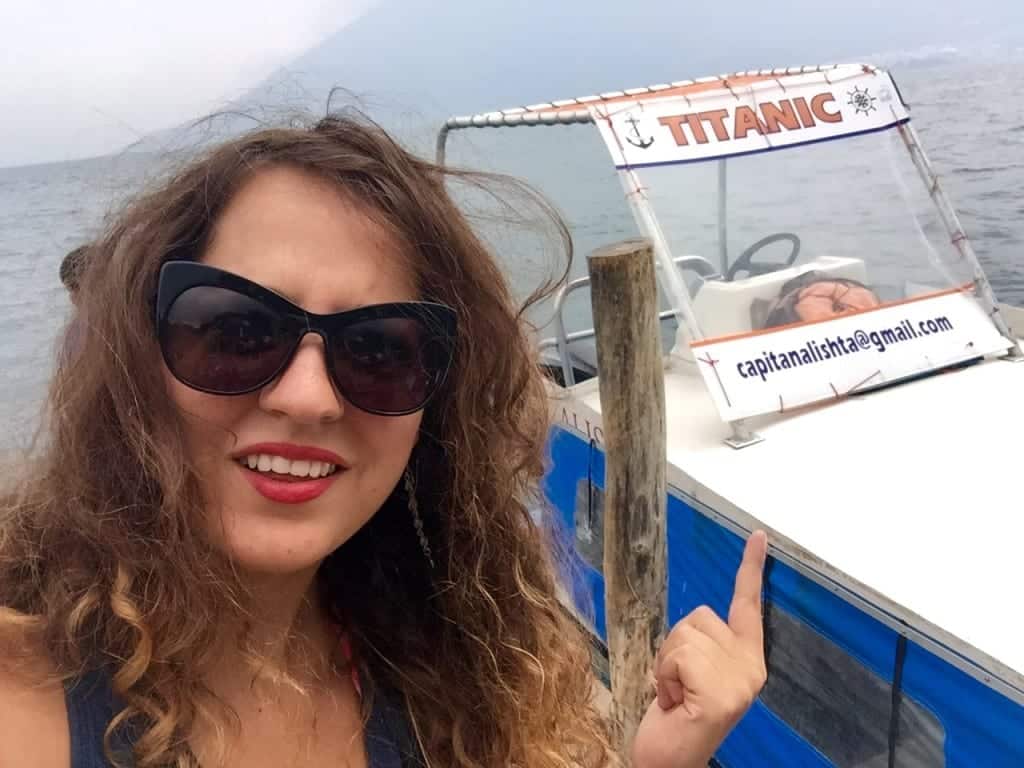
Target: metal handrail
{"x":561,"y":341}
{"x":551,"y":341}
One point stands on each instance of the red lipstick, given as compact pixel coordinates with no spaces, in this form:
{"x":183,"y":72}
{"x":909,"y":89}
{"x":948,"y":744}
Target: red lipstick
{"x":288,"y":489}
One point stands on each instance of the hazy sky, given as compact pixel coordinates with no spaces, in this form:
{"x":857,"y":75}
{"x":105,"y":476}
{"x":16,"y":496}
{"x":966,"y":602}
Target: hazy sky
{"x":86,"y":77}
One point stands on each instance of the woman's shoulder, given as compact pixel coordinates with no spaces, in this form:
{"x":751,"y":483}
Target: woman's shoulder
{"x":34,"y":727}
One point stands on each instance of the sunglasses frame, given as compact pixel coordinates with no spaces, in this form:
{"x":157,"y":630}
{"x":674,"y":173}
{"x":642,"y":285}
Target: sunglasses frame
{"x":178,"y":276}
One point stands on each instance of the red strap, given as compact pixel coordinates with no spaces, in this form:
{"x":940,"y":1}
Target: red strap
{"x":346,"y":650}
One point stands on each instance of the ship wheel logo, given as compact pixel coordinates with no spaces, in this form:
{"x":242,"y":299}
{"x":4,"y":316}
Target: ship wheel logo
{"x":634,"y":136}
{"x":862,"y":101}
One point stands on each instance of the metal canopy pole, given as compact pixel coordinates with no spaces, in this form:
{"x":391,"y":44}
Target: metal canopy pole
{"x":647,"y":221}
{"x":510,"y":119}
{"x":723,"y":227}
{"x":442,"y":140}
{"x":956,"y":232}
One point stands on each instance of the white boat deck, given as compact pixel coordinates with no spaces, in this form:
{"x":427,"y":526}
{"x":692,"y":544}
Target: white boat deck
{"x":911,"y":492}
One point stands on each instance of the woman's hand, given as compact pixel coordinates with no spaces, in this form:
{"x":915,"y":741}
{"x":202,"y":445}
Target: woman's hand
{"x":707,"y":675}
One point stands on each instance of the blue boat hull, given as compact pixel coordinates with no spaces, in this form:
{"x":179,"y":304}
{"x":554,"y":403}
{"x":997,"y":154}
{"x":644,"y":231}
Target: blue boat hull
{"x":844,"y":689}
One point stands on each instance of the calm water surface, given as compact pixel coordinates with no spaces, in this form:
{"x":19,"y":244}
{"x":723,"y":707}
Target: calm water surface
{"x":969,"y":113}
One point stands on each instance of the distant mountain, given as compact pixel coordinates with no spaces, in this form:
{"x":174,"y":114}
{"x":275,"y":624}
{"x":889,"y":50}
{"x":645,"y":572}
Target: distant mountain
{"x":410,"y":63}
{"x":469,"y":55}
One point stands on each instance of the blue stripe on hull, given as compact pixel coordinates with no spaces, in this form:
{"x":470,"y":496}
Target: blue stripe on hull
{"x":971,"y":724}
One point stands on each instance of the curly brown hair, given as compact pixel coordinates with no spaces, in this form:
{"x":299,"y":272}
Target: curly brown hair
{"x":99,"y":558}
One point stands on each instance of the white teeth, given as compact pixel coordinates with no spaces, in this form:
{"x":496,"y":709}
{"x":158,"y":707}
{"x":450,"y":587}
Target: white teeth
{"x":281,"y":466}
{"x":300,"y":469}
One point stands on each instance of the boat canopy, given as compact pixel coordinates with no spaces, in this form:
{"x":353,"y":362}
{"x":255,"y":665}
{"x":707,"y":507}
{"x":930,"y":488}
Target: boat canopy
{"x":873,"y":278}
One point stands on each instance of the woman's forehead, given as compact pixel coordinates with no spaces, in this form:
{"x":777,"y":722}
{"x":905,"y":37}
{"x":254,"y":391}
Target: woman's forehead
{"x":294,"y":232}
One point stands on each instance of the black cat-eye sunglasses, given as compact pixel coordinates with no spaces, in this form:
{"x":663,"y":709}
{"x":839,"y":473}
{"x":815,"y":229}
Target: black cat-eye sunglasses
{"x":225,"y":335}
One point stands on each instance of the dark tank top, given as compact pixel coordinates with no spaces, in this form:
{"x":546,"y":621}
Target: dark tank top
{"x":90,"y":706}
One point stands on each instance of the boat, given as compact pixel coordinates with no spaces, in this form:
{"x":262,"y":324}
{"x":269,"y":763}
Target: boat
{"x":859,"y":399}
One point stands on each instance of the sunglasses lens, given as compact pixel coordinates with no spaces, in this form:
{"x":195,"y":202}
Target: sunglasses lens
{"x":390,"y":365}
{"x":220,"y":341}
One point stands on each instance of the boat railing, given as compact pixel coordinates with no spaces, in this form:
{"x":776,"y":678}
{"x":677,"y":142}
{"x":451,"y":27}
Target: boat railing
{"x":562,"y":339}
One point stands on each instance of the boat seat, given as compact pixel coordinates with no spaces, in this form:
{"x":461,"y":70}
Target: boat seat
{"x":722,"y":308}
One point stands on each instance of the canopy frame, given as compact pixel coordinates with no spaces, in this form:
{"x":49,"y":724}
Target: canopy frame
{"x":578,"y":111}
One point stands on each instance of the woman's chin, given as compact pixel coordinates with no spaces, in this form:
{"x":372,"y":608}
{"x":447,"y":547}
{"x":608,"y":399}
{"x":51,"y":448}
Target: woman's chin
{"x":268,"y":562}
{"x":281,"y":546}
{"x":262,"y":535}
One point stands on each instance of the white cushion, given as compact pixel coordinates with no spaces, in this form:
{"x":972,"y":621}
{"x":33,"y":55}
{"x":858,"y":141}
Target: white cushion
{"x":723,"y":308}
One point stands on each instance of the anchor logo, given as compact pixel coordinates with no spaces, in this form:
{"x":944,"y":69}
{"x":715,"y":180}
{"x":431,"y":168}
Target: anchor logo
{"x":634,"y":137}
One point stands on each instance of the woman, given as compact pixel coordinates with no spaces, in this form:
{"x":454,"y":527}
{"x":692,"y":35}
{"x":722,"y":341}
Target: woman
{"x":261,"y":535}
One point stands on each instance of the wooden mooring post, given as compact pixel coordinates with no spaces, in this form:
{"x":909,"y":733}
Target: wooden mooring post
{"x":624,"y":299}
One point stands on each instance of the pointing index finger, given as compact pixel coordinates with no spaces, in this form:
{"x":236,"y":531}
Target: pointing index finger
{"x":745,"y":610}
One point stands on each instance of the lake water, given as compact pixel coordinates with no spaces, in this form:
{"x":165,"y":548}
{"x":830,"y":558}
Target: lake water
{"x":968,"y":111}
